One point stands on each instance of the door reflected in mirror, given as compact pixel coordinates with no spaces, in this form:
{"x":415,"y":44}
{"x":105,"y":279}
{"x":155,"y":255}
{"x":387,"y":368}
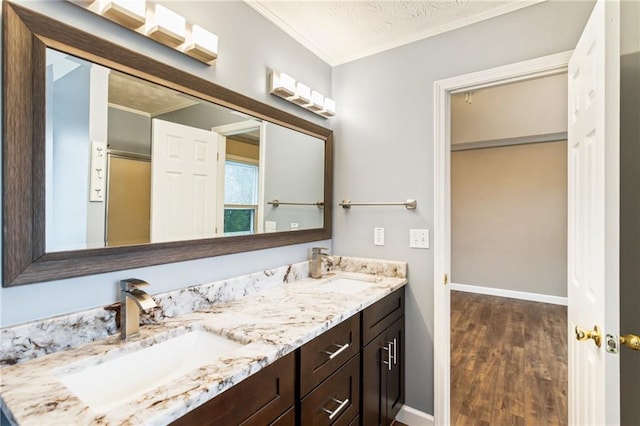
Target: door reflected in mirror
{"x":130,"y":162}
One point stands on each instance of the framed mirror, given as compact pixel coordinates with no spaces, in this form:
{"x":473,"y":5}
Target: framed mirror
{"x":114,"y":161}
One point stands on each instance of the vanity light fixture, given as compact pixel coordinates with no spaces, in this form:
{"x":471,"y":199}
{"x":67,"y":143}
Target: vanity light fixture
{"x":317,"y":101}
{"x":201,"y":44}
{"x":329,"y":108}
{"x":128,"y":13}
{"x":166,"y":26}
{"x":282,"y":84}
{"x":286,"y":87}
{"x":303,"y":94}
{"x":158,"y":23}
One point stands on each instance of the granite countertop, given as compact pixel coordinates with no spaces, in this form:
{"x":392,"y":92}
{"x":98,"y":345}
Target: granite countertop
{"x":271,"y":323}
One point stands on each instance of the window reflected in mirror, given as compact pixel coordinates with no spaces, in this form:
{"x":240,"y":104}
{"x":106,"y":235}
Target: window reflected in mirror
{"x":130,"y":162}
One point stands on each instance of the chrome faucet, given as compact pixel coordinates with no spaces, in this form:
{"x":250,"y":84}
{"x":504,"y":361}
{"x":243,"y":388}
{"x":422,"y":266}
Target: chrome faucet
{"x":315,"y":262}
{"x":132,"y":301}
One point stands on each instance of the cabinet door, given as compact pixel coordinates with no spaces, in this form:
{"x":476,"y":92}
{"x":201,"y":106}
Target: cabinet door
{"x":394,"y":397}
{"x":372,"y":380}
{"x":383,"y":376}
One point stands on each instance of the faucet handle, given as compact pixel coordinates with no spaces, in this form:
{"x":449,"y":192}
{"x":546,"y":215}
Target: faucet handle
{"x":132,"y":283}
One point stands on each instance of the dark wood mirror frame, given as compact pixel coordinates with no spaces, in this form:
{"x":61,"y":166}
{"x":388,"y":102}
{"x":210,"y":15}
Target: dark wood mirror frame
{"x":26,"y":36}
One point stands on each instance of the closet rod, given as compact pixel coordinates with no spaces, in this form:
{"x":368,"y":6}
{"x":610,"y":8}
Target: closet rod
{"x":409,"y":204}
{"x":276,"y":203}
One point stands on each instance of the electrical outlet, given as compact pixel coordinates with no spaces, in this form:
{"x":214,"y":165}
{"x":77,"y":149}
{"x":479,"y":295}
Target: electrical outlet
{"x":419,"y":238}
{"x":378,"y":236}
{"x":294,"y":225}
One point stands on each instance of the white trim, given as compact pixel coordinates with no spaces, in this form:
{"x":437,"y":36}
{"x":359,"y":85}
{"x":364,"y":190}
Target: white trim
{"x":412,"y":417}
{"x":547,"y":65}
{"x":236,"y":128}
{"x":518,"y":140}
{"x":418,"y":35}
{"x":127,"y":109}
{"x":511,"y":294}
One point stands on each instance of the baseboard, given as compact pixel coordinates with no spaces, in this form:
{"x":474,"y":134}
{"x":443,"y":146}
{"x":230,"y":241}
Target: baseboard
{"x":534,"y":297}
{"x":412,"y":417}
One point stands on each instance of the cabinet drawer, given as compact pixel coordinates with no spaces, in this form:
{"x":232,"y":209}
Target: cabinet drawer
{"x":337,"y":400}
{"x":322,"y":356}
{"x":377,"y":317}
{"x":287,"y":419}
{"x":258,"y":400}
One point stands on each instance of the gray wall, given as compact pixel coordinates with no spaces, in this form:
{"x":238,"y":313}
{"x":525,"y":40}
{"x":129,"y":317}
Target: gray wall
{"x":384,"y":146}
{"x":129,"y":131}
{"x":71,"y":157}
{"x":630,"y":231}
{"x":249,"y":47}
{"x":294,"y":172}
{"x":523,"y":109}
{"x":509,"y":218}
{"x":202,"y":116}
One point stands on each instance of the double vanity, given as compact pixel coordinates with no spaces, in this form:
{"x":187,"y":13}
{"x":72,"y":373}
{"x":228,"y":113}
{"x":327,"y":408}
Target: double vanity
{"x":275,"y":347}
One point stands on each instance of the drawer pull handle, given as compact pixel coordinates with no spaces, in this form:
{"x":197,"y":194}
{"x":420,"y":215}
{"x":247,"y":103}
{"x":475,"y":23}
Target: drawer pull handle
{"x":391,"y":357}
{"x":335,"y":412}
{"x":343,"y":348}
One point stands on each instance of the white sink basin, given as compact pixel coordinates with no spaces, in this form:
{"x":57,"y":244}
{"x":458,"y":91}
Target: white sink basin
{"x":116,"y":381}
{"x":346,"y":286}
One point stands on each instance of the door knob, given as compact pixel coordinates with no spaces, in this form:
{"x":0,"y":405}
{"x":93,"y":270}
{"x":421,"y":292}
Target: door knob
{"x":631,"y":341}
{"x":582,"y":334}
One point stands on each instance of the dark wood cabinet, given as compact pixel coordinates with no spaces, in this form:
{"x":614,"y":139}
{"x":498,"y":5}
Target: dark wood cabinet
{"x":322,"y":356}
{"x":379,"y":316}
{"x":353,"y":374}
{"x":260,"y":399}
{"x":383,"y":363}
{"x":336,"y":401}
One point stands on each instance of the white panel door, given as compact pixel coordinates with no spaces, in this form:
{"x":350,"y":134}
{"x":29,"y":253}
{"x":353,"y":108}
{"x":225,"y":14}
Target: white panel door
{"x":183,"y":182}
{"x":593,"y":231}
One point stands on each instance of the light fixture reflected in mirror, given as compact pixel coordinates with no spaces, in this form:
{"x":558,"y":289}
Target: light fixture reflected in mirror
{"x":286,"y":87}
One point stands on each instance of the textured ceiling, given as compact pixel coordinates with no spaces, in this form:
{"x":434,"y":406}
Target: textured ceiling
{"x":136,"y":94}
{"x":342,"y":31}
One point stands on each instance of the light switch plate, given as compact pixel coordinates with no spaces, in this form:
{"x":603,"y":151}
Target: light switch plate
{"x":419,"y":238}
{"x":378,"y":236}
{"x":269,"y":226}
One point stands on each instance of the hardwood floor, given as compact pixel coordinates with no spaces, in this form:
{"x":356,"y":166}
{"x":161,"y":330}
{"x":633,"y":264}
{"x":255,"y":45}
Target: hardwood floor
{"x":508,"y":361}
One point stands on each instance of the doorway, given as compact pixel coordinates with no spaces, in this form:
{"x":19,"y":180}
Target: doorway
{"x":509,"y":253}
{"x":546,"y":66}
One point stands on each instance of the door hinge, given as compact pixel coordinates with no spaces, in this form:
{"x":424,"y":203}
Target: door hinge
{"x":446,"y":279}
